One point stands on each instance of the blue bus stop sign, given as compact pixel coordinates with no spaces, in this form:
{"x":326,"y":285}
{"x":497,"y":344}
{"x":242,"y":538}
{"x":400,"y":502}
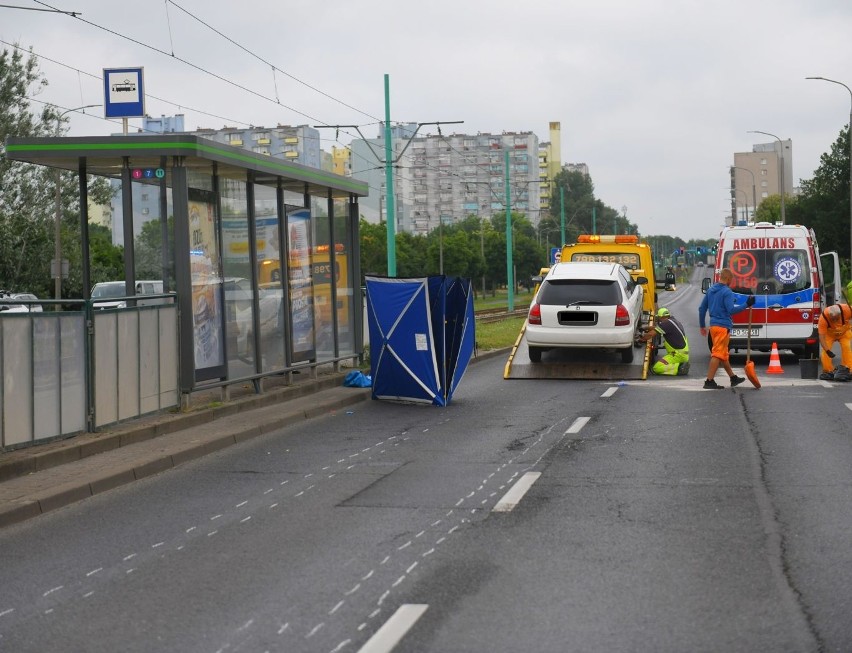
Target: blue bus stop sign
{"x":124,"y":94}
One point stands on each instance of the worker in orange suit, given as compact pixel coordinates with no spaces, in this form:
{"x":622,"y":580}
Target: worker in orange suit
{"x":835,"y":325}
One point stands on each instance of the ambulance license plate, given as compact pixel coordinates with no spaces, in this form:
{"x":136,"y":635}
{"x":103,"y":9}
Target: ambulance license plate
{"x":742,"y":333}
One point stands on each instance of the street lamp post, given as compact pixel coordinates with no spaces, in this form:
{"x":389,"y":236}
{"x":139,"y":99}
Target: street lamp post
{"x":740,"y":190}
{"x":849,"y":136}
{"x":57,"y":245}
{"x":753,"y":189}
{"x":781,"y":167}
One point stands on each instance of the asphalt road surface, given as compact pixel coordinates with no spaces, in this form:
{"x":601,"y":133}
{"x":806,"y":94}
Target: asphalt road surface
{"x":528,"y":515}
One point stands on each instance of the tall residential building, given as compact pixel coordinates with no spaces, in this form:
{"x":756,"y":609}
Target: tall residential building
{"x":757,"y":174}
{"x":300,"y":144}
{"x":445,"y":179}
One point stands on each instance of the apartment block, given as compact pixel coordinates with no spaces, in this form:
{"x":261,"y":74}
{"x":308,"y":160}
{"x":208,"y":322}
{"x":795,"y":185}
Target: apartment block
{"x":448,"y":178}
{"x":758,"y":174}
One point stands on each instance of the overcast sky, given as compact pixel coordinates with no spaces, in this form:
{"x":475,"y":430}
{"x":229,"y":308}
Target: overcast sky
{"x":655,"y":96}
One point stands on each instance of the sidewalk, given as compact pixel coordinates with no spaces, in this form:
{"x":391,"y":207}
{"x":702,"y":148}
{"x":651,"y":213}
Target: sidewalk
{"x":44,"y":477}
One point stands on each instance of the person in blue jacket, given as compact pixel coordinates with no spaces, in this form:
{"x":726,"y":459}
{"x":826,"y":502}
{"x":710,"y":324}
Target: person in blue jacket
{"x":719,"y":302}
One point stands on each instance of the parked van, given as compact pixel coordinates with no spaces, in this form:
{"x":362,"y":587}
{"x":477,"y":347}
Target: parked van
{"x":625,"y":250}
{"x":780,"y":265}
{"x":111,"y":293}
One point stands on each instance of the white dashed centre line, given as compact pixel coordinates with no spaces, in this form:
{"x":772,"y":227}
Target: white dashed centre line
{"x":610,"y":391}
{"x":578,"y":425}
{"x":513,"y":497}
{"x":394,"y":629}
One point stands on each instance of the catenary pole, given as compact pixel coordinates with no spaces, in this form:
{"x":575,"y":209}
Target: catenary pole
{"x":510,"y":278}
{"x":391,"y":221}
{"x":562,"y":212}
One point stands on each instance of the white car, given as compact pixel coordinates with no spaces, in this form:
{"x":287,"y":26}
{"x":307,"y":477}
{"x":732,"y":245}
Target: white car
{"x":586,"y":305}
{"x":9,"y":303}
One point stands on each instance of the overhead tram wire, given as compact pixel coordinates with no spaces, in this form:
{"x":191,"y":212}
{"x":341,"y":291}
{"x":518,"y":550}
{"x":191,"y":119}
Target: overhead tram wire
{"x":190,"y":64}
{"x":272,"y":65}
{"x":150,"y":95}
{"x":179,"y":105}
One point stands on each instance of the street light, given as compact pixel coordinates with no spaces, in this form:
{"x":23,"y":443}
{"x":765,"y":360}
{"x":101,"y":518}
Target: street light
{"x":740,"y":190}
{"x":753,"y":190}
{"x":833,"y":81}
{"x":781,"y":167}
{"x":57,"y":245}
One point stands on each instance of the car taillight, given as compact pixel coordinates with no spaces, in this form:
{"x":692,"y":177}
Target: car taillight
{"x":816,"y":306}
{"x":534,"y":316}
{"x":622,"y":317}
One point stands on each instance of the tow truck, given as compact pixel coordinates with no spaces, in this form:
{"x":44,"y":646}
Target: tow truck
{"x":637,"y":258}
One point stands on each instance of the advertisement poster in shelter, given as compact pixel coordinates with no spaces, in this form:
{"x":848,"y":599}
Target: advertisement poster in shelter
{"x":206,"y":283}
{"x":301,"y":285}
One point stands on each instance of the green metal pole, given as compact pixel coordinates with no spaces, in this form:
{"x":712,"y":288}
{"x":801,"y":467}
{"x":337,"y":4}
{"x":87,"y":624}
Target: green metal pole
{"x":562,"y":212}
{"x":510,"y":277}
{"x":594,"y":223}
{"x":389,"y":201}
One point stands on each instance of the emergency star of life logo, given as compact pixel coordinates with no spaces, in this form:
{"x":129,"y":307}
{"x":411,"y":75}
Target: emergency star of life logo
{"x":787,"y":270}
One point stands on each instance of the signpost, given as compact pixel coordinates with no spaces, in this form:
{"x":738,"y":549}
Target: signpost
{"x":124,"y":94}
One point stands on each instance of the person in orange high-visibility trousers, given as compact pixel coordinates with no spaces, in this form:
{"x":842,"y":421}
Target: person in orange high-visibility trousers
{"x":835,"y":325}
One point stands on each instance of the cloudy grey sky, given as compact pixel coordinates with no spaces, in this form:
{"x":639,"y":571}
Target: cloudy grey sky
{"x":654,"y":95}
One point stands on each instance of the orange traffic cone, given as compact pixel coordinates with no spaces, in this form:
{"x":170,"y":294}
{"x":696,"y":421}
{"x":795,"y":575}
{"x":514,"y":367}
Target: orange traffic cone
{"x":774,"y":361}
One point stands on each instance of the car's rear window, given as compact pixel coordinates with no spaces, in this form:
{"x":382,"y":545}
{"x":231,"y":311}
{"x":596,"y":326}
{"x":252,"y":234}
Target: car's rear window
{"x":604,"y":292}
{"x":108,"y":290}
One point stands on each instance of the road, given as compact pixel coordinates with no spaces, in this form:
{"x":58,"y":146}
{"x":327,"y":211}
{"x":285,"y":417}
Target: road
{"x":657,"y":517}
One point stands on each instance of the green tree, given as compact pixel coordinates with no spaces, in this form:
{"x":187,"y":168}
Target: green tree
{"x":373,"y":240}
{"x":28,"y":192}
{"x":823,"y":203}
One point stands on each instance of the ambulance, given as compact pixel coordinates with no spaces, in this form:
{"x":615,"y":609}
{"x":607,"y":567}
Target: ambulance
{"x":781,"y":265}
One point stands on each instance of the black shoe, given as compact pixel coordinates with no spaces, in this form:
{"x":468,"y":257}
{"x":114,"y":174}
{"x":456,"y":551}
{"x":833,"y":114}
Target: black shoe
{"x":736,"y":380}
{"x":710,"y":384}
{"x":827,"y":376}
{"x":683,"y":369}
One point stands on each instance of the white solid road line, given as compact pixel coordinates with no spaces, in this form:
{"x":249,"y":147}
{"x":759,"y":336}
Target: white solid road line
{"x":513,"y":497}
{"x":395,"y":628}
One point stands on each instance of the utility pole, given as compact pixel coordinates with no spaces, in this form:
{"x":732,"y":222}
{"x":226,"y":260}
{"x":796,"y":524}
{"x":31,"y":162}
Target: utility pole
{"x":562,"y":212}
{"x":391,"y":222}
{"x":510,"y":277}
{"x":388,"y":163}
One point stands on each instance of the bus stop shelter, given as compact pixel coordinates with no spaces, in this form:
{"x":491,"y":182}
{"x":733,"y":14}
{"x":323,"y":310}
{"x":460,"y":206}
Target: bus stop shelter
{"x":265,"y":263}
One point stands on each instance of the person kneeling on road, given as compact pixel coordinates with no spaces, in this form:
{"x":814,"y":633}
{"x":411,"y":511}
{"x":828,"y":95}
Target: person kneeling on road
{"x":676,"y":360}
{"x":835,"y":325}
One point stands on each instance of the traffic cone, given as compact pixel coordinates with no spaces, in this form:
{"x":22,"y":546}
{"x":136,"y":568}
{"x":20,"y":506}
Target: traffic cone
{"x":774,"y":361}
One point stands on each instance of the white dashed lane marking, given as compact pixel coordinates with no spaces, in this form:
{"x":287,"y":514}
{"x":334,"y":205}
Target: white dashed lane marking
{"x":516,"y":492}
{"x":394,"y":629}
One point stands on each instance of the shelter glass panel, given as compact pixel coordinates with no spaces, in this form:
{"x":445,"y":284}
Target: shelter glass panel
{"x":205,"y":272}
{"x":299,"y":246}
{"x":321,"y":272}
{"x":151,"y":236}
{"x":346,"y":281}
{"x":270,"y":287}
{"x":237,"y":279}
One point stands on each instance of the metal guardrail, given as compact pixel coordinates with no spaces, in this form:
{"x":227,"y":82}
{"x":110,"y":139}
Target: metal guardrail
{"x":64,"y":371}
